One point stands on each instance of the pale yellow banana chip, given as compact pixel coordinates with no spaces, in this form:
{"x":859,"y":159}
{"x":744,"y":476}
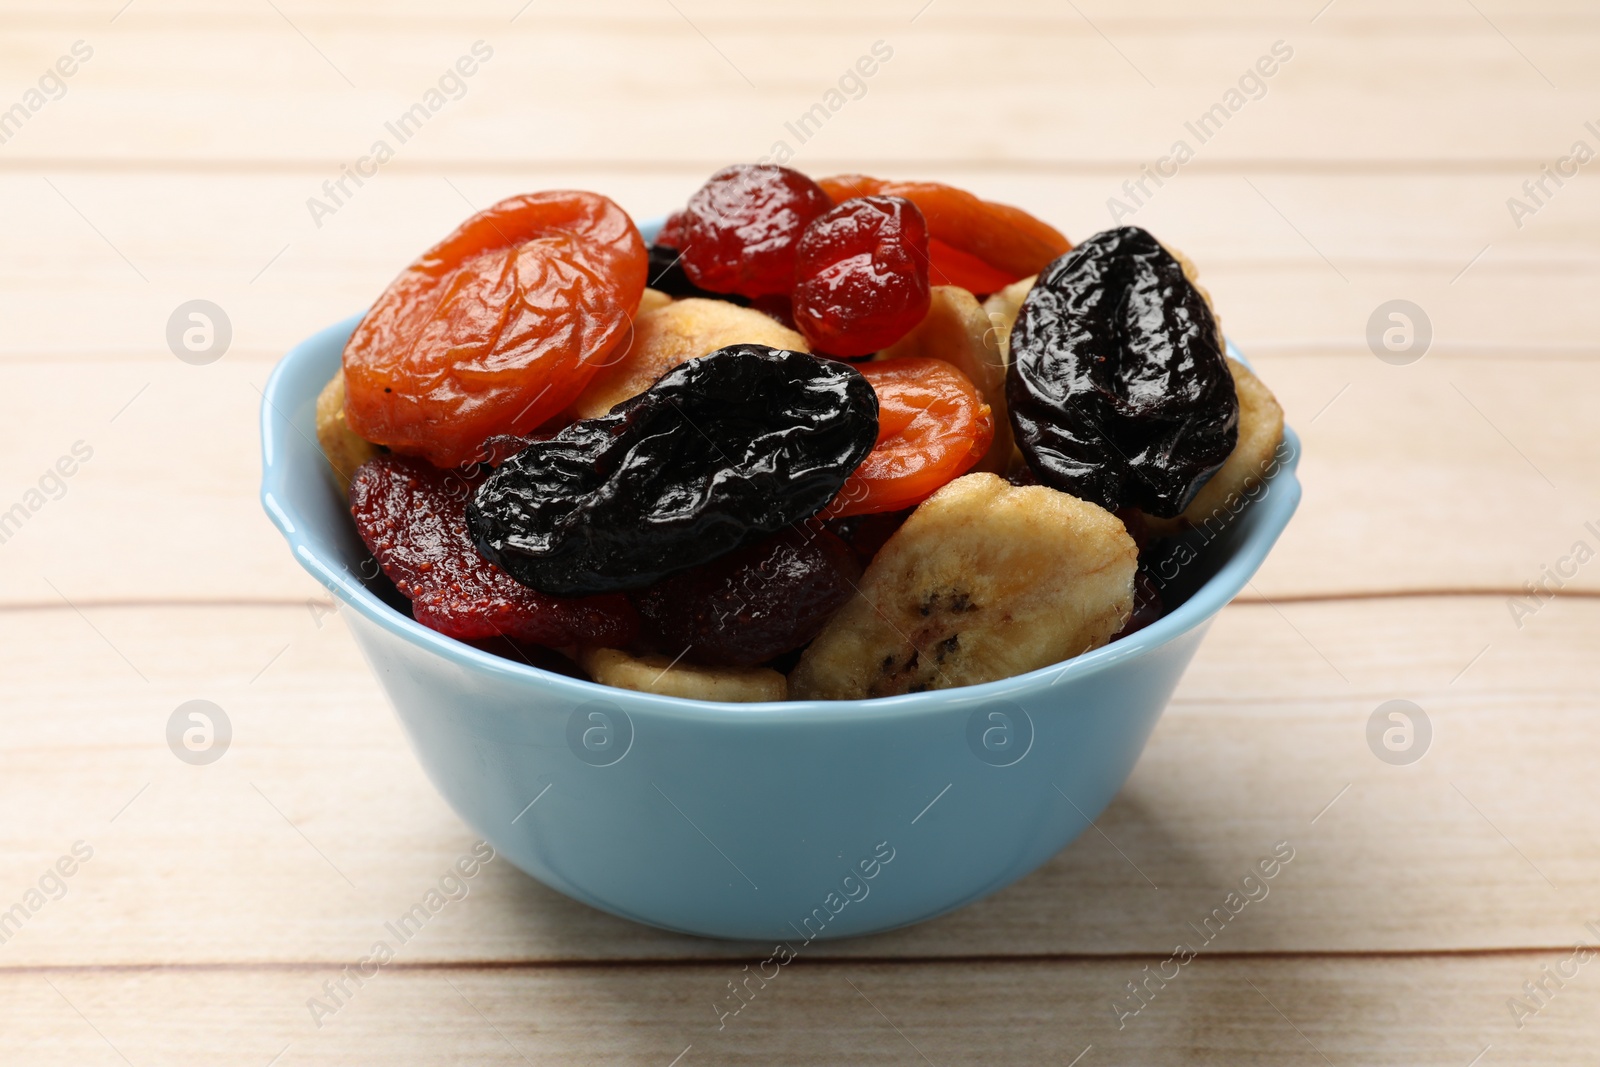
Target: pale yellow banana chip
{"x":651,"y":300}
{"x":674,"y":333}
{"x":659,"y":675}
{"x":1002,"y":308}
{"x":1260,"y":433}
{"x":985,"y":580}
{"x":344,"y":448}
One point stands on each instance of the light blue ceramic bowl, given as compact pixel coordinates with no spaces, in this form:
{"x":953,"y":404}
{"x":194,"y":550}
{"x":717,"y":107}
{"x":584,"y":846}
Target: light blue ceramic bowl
{"x":792,"y":821}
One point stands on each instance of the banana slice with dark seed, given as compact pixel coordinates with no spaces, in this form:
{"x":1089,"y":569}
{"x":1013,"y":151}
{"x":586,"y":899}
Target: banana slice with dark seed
{"x":985,"y":580}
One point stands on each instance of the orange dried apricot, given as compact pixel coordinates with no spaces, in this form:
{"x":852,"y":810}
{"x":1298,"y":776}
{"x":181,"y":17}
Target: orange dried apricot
{"x":497,"y":328}
{"x":933,"y":427}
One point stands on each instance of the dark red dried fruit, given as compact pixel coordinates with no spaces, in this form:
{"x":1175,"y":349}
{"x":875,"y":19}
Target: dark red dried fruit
{"x":668,"y":276}
{"x":412,"y":518}
{"x":861,"y":276}
{"x":753,"y":604}
{"x":671,"y":232}
{"x":866,"y":533}
{"x":1118,"y":388}
{"x":777,"y":307}
{"x":976,"y":244}
{"x":741,"y":227}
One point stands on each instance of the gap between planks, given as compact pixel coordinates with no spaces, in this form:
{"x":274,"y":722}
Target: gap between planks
{"x":811,"y":959}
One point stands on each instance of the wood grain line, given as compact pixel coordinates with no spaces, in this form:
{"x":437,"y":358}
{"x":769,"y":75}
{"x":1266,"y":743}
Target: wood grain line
{"x":807,"y":958}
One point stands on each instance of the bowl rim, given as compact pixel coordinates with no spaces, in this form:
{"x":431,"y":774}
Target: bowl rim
{"x":1274,"y":507}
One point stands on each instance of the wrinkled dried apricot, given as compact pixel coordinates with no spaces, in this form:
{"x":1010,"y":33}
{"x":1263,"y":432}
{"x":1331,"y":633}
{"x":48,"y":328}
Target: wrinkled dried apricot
{"x":412,"y":518}
{"x":957,"y":331}
{"x":861,"y":276}
{"x":976,"y":244}
{"x":740,"y":230}
{"x":496,"y":328}
{"x":933,"y":426}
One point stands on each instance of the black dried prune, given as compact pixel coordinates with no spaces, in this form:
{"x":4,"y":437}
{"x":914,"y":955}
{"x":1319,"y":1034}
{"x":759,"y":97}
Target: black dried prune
{"x":722,"y":449}
{"x":758,"y":602}
{"x":668,"y":276}
{"x":1118,"y":387}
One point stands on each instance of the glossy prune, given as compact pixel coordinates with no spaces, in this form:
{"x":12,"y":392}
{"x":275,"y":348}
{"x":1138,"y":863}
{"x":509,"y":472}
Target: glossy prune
{"x":753,"y":604}
{"x":412,"y":517}
{"x":720,"y":450}
{"x":740,"y":229}
{"x":1119,"y":391}
{"x":668,"y":276}
{"x":865,"y":533}
{"x":861,"y":276}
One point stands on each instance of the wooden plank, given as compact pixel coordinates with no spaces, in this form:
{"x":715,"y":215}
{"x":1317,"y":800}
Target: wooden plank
{"x":171,"y":83}
{"x":1426,"y":477}
{"x":317,"y":824}
{"x":1443,"y":1010}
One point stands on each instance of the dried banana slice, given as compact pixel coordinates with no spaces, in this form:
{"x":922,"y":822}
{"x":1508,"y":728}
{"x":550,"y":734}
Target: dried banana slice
{"x":957,"y":330}
{"x":1260,"y":433}
{"x":344,"y":448}
{"x":1241,"y":474}
{"x":1002,"y":308}
{"x":658,"y":674}
{"x":651,"y":300}
{"x":985,"y":580}
{"x":675,"y":333}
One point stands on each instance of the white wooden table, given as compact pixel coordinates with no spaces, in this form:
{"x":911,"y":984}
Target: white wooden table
{"x":176,"y":163}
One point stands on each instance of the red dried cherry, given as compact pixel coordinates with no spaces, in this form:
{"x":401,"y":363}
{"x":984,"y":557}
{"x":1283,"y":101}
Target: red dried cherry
{"x":933,"y":426}
{"x":412,"y":518}
{"x":753,"y":604}
{"x":861,"y":276}
{"x":497,"y":328}
{"x":977,"y":244}
{"x":740,"y":229}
